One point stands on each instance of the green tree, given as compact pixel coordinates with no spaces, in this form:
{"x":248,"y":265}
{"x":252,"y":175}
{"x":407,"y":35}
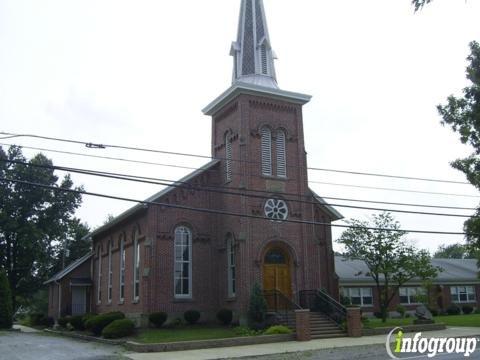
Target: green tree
{"x":462,"y":114}
{"x":6,"y":309}
{"x":33,"y":221}
{"x":420,"y":3}
{"x":391,"y":262}
{"x":258,"y":306}
{"x":455,"y":251}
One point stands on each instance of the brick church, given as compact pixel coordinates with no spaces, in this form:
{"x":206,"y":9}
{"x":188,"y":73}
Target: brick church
{"x":174,"y":257}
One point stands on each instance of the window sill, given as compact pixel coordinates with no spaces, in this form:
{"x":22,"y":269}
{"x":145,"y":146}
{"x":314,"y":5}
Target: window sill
{"x":121,"y":302}
{"x":136,"y":301}
{"x":183,"y":300}
{"x":231,"y":299}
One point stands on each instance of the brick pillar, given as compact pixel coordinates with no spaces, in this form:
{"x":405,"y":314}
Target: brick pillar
{"x":354,"y":322}
{"x":302,"y":320}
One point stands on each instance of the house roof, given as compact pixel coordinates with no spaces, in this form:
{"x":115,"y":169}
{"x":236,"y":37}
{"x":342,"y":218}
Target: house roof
{"x":454,"y":271}
{"x":134,"y":209}
{"x":60,"y":275}
{"x":331,"y":210}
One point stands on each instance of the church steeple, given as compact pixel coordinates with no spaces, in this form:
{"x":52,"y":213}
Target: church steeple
{"x":252,"y":52}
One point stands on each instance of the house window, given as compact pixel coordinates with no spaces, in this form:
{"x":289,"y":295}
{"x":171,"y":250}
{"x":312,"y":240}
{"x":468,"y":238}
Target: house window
{"x":409,"y":295}
{"x":228,"y":157}
{"x":462,"y":294}
{"x":136,"y":267}
{"x":110,"y":272}
{"x":183,"y":262}
{"x":266,"y":144}
{"x":281,"y":154}
{"x":122,"y":268}
{"x":99,"y":279}
{"x":232,"y":286}
{"x":359,"y":296}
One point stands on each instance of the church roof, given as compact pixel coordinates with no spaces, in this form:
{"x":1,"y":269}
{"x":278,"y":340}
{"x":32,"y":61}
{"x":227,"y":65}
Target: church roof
{"x":330,"y":209}
{"x":133,"y":210}
{"x":61,"y":274}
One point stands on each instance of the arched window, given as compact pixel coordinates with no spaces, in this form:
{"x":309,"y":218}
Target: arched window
{"x":122,"y":267}
{"x":266,"y":144}
{"x":228,"y":157}
{"x":110,"y":272}
{"x":281,"y":154}
{"x":231,"y":264}
{"x":136,"y":266}
{"x":183,"y":262}
{"x":99,"y":275}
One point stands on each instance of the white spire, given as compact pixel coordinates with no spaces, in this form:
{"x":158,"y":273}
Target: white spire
{"x":253,"y":57}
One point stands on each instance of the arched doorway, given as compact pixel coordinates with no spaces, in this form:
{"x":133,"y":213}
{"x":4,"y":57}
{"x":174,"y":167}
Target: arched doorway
{"x":276,"y":271}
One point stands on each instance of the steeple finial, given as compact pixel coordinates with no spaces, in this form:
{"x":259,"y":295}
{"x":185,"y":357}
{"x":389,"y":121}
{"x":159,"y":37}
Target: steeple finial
{"x":252,"y":53}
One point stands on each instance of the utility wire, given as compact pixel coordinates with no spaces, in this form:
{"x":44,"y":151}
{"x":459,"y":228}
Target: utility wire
{"x":225,"y":213}
{"x":193,"y":168}
{"x":184,"y":185}
{"x":104,"y":146}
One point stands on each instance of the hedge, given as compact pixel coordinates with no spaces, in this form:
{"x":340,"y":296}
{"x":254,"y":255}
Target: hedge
{"x":158,"y":318}
{"x":191,"y":316}
{"x":118,"y":329}
{"x":97,"y":323}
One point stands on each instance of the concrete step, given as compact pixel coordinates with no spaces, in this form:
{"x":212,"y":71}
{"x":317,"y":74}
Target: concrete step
{"x":329,"y":336}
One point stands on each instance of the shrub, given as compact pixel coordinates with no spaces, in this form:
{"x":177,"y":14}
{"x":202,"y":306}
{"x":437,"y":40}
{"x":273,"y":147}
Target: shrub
{"x":225,"y":316}
{"x":277,"y":329}
{"x":408,"y":315}
{"x":434,"y":312}
{"x":39,"y":319}
{"x":258,"y":306}
{"x":77,"y":322}
{"x":6,"y":307}
{"x":401,"y":310}
{"x":467,"y":309}
{"x":63,"y":321}
{"x":245,"y":331}
{"x":158,"y":318}
{"x":453,"y":310}
{"x":477,"y":311}
{"x":87,"y":317}
{"x":118,"y":329}
{"x":191,"y":316}
{"x":377,"y":314}
{"x":97,"y":323}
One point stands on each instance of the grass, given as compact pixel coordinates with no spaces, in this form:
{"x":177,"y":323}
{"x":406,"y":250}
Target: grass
{"x":472,"y":320}
{"x":184,"y":333}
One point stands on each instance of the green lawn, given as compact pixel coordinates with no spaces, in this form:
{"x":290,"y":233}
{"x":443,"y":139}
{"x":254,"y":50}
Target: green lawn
{"x":197,"y":332}
{"x":472,"y":320}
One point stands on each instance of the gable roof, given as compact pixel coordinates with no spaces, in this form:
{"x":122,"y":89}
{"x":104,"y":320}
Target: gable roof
{"x":134,"y":209}
{"x":60,"y":275}
{"x":454,"y":271}
{"x":330,"y":209}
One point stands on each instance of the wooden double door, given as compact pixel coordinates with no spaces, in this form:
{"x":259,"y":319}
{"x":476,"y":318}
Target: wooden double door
{"x":276,"y":274}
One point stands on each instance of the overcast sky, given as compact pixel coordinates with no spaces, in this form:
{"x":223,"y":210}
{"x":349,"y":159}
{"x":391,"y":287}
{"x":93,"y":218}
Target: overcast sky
{"x":139,"y":72}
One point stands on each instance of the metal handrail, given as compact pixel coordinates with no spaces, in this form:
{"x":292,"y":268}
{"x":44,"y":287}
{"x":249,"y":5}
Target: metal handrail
{"x":289,"y":304}
{"x":320,"y":301}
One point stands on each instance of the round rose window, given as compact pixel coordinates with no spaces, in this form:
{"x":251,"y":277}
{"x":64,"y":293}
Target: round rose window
{"x":276,"y":209}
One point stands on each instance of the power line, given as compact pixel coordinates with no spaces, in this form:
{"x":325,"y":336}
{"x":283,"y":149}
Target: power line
{"x":214,"y":189}
{"x":225,"y":213}
{"x":104,"y":146}
{"x":393,"y":189}
{"x":251,"y":175}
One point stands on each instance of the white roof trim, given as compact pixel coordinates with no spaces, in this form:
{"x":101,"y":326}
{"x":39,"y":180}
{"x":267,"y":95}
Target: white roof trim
{"x":252,"y":89}
{"x":335,"y":214}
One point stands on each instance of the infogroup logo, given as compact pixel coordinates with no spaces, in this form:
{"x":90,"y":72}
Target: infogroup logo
{"x":433,"y":346}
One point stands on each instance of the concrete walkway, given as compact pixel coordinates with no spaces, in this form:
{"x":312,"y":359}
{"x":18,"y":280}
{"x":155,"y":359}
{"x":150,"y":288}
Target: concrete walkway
{"x":290,"y":347}
{"x":25,"y":329}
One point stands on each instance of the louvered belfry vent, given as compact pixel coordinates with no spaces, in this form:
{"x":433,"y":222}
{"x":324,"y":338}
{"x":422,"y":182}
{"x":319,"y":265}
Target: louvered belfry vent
{"x":266,"y":145}
{"x":228,"y":158}
{"x":281,"y":154}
